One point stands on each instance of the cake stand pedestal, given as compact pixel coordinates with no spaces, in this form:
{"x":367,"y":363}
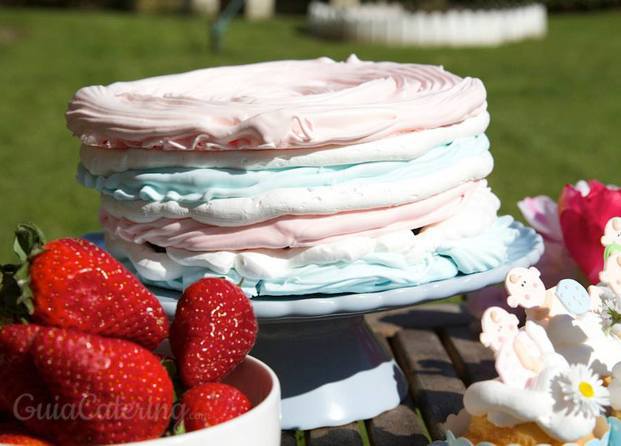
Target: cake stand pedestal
{"x":332,"y":369}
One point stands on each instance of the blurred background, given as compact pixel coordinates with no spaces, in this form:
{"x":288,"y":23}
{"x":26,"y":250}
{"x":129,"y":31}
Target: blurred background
{"x":554,"y":92}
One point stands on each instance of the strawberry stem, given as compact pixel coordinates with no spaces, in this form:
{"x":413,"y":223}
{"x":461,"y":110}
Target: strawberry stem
{"x":179,"y":428}
{"x":29,"y":241}
{"x":16,"y":299}
{"x":173,"y":373}
{"x":176,"y":426}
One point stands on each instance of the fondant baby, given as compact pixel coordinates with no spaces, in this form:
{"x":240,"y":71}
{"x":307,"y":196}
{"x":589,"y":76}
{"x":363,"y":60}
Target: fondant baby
{"x":520,"y":353}
{"x":608,"y":293}
{"x":526,"y":289}
{"x":611,"y":239}
{"x":498,"y":326}
{"x":611,"y":275}
{"x":574,"y":319}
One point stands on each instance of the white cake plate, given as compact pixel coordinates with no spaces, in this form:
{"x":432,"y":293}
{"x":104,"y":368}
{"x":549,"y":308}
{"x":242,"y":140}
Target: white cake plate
{"x":332,"y":369}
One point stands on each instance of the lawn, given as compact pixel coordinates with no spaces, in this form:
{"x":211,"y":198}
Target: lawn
{"x":555,"y":104}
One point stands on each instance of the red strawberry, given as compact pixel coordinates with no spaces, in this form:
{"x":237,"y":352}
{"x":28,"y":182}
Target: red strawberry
{"x":16,"y":339}
{"x":23,"y":439}
{"x":12,"y":433}
{"x":212,"y":403}
{"x":16,"y":366}
{"x":213,"y":331}
{"x":75,"y":284}
{"x":21,"y":388}
{"x":120,"y":389}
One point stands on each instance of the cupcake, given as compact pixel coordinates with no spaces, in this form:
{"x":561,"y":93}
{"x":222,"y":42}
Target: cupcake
{"x":559,"y":375}
{"x":538,"y":397}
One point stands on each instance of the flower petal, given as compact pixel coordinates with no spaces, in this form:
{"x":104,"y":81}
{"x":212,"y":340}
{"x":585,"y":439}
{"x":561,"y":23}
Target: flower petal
{"x":583,"y":219}
{"x":541,"y":212}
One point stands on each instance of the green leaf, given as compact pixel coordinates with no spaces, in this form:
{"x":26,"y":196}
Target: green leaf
{"x":615,"y":316}
{"x":171,"y":367}
{"x":26,"y":298}
{"x":11,"y":306}
{"x":179,"y":428}
{"x":29,"y":241}
{"x":175,"y":427}
{"x":18,"y":248}
{"x":16,"y":297}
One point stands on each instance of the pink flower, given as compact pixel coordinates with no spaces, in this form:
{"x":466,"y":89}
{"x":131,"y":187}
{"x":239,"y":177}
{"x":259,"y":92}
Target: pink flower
{"x":541,"y":212}
{"x":584,"y":210}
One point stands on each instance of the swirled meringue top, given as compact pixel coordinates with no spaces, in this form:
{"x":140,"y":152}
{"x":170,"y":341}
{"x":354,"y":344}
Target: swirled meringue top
{"x":274,"y":105}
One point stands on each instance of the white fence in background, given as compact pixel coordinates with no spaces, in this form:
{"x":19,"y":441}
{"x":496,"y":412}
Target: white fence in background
{"x":391,"y":24}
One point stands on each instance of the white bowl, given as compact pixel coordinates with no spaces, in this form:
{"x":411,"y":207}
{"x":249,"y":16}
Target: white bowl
{"x":260,"y":426}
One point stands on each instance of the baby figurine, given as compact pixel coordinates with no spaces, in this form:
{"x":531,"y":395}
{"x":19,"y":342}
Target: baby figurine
{"x":527,"y":290}
{"x":611,"y":239}
{"x":608,"y":292}
{"x":611,"y":275}
{"x":498,"y":327}
{"x":520,"y":353}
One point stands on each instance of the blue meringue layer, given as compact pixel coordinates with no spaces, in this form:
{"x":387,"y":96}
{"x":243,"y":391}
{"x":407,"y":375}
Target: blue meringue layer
{"x":194,"y":186}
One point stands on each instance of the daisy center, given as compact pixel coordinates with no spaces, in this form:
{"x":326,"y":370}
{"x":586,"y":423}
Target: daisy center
{"x":586,"y":389}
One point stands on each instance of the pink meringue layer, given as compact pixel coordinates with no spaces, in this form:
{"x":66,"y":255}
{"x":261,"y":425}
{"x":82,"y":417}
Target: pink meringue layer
{"x":274,"y":105}
{"x":292,"y":231}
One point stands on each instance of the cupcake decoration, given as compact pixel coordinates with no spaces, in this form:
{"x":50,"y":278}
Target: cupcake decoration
{"x":573,"y":296}
{"x":611,"y":240}
{"x":583,"y":391}
{"x":559,"y":374}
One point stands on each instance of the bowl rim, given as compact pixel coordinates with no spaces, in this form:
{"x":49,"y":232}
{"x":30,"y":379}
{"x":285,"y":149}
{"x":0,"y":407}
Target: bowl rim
{"x":274,"y":394}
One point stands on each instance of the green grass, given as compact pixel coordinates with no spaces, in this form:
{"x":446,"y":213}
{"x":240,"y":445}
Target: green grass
{"x":555,"y":104}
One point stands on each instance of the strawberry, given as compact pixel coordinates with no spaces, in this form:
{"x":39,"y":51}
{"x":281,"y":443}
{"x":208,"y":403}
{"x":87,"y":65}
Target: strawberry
{"x":16,"y":339}
{"x":212,"y":403}
{"x":213,"y":330}
{"x":13,"y":433}
{"x":21,"y":389}
{"x":23,"y":439}
{"x":118,"y":390}
{"x":72,"y":283}
{"x":16,"y":366}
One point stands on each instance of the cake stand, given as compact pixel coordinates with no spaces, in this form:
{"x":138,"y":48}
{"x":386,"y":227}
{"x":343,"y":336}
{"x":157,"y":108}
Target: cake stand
{"x":332,"y":369}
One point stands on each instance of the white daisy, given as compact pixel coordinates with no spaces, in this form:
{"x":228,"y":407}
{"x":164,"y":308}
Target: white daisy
{"x":583,"y":391}
{"x":610,"y":311}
